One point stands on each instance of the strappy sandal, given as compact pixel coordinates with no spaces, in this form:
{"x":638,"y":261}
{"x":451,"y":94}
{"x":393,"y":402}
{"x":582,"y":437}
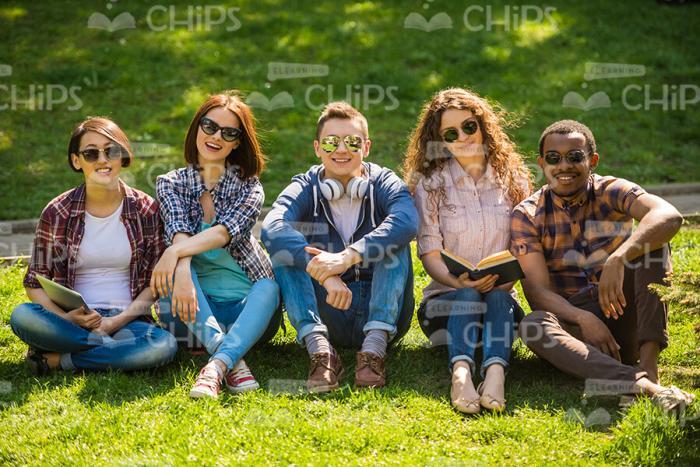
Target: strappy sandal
{"x":489,"y":402}
{"x":36,"y":362}
{"x":464,"y":405}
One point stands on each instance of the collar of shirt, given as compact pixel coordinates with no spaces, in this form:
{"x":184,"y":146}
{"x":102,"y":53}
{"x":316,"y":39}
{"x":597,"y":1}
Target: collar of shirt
{"x":130,"y":210}
{"x":460,"y":178}
{"x":579,"y":200}
{"x":225,"y":188}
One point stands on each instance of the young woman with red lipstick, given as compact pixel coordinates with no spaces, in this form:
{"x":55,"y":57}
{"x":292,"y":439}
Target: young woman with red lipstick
{"x":214,"y":277}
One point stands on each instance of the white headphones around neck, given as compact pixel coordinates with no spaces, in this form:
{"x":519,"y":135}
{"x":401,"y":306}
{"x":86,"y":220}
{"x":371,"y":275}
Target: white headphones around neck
{"x":332,"y":189}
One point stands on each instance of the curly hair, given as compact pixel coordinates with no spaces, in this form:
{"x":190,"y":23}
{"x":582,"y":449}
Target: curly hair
{"x":568,"y":126}
{"x":425,"y":153}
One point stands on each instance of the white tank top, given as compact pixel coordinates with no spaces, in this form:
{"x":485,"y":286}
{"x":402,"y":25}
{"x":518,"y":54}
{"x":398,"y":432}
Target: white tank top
{"x":102,"y":275}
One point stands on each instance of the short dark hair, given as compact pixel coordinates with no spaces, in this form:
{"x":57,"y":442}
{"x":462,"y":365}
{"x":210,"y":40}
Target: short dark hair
{"x":343,"y":111}
{"x":563,"y":127}
{"x":248,"y":155}
{"x":106,"y":128}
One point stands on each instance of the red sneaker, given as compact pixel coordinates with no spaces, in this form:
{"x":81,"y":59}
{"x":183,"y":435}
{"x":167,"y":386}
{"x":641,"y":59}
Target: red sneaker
{"x":208,"y":383}
{"x":240,"y":379}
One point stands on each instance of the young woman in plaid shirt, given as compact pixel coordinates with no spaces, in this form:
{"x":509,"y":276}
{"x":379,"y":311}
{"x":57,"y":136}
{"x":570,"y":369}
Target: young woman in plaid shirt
{"x":214,"y":279}
{"x":101,"y":239}
{"x":466,"y":176}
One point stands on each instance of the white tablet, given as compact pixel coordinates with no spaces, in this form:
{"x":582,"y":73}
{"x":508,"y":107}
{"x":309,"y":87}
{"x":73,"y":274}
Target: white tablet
{"x":62,"y":296}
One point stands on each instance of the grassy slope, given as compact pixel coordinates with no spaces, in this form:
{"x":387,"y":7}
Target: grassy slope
{"x":152,"y":82}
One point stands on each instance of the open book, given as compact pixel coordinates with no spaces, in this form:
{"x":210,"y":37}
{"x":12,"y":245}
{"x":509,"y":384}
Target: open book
{"x":502,"y":263}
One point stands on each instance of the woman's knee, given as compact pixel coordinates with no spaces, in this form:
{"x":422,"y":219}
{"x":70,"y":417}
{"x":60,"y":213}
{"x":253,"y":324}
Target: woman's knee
{"x":468,"y":294}
{"x":498,"y":295}
{"x":24,"y":317}
{"x":161,"y":349}
{"x":268,"y":288}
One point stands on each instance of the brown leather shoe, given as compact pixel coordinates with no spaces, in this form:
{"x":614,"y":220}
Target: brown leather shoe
{"x":369,"y":371}
{"x":325,"y":371}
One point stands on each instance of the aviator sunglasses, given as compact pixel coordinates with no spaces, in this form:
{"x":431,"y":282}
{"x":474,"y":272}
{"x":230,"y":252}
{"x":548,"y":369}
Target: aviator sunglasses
{"x":352,"y":142}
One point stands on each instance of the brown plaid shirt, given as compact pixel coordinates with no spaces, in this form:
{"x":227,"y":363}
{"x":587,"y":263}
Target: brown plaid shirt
{"x":576,"y":237}
{"x":61,"y":228}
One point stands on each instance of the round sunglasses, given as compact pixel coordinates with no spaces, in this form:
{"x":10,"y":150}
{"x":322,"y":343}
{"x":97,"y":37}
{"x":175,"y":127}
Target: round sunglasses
{"x":210,"y":127}
{"x":575,"y":156}
{"x":331,"y":143}
{"x":112,"y":153}
{"x":451,"y":134}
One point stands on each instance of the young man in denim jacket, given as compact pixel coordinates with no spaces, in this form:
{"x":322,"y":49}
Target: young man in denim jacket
{"x":338,"y":237}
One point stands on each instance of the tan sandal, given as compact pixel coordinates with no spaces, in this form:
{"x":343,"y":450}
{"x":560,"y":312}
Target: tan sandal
{"x":466,"y":406}
{"x":489,"y":402}
{"x":462,"y":404}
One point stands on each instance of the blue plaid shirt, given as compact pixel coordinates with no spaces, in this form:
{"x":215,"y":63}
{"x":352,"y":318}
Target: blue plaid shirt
{"x":237,"y":203}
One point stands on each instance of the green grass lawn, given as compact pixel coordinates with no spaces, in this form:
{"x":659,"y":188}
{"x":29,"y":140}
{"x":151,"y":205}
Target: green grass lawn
{"x":151,"y":82}
{"x":148,"y":418}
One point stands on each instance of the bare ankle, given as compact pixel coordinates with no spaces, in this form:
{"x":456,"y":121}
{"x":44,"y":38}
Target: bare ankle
{"x":648,"y":360}
{"x":461,"y":367}
{"x":648,"y":387}
{"x":495,"y":369}
{"x":53,"y":360}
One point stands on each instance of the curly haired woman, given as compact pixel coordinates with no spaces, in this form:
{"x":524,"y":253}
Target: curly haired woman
{"x":466,"y":176}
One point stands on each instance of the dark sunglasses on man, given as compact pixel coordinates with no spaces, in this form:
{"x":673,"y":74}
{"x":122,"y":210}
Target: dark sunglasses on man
{"x":575,"y":156}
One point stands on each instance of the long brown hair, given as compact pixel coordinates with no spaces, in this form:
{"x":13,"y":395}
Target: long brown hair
{"x":248,"y":155}
{"x":501,"y":153}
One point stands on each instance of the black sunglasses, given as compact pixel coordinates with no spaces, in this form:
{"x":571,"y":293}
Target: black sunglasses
{"x":228,"y":133}
{"x":330,"y":143}
{"x":575,"y":156}
{"x":469,"y":127}
{"x":112,"y":153}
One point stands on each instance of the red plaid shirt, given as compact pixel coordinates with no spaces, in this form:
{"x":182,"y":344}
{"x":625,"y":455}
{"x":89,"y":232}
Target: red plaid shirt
{"x":576,"y":237}
{"x":61,"y":228}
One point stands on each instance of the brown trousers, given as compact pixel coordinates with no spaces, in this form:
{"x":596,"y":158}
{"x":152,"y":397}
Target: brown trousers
{"x":644,"y":320}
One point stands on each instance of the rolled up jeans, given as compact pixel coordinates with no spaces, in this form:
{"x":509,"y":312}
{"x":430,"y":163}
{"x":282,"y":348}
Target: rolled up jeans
{"x":466,"y":319}
{"x":228,"y":330}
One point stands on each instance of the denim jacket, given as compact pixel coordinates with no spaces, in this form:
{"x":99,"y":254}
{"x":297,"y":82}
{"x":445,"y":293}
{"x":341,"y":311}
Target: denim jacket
{"x":301,"y":217}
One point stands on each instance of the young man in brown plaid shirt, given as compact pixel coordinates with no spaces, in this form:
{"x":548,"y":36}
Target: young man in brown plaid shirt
{"x":587,"y":273}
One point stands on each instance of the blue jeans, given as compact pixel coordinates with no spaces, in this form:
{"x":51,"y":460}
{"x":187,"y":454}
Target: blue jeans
{"x":227,"y":330}
{"x":385,"y":302}
{"x":465,"y":319}
{"x":136,"y":346}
